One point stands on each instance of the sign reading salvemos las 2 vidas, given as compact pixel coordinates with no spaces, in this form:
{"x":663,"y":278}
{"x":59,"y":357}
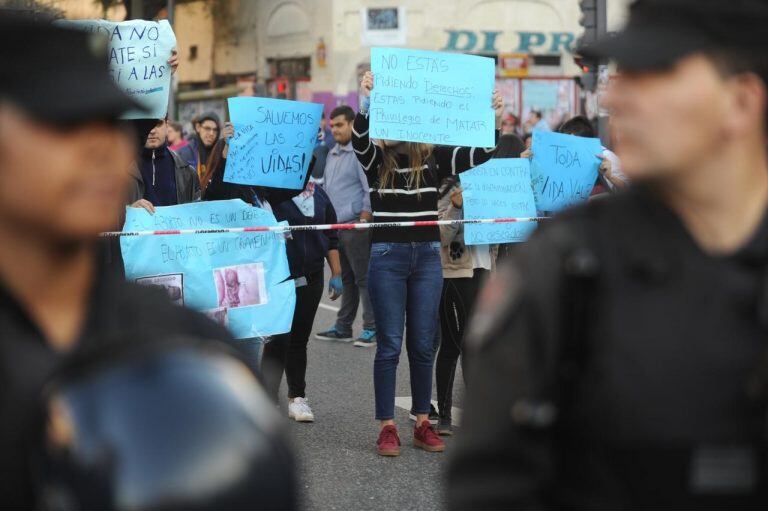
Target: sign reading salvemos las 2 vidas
{"x":273,"y":141}
{"x":138,"y":60}
{"x":432,"y":97}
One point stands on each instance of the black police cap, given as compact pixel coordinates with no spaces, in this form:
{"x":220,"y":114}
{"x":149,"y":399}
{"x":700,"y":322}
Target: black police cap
{"x":57,"y":75}
{"x":661,"y":32}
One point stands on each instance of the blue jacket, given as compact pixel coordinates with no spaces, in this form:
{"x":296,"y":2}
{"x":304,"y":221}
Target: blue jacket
{"x":307,"y":249}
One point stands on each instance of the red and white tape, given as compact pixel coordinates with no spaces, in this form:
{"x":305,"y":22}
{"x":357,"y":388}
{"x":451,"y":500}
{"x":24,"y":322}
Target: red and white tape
{"x":321,"y":227}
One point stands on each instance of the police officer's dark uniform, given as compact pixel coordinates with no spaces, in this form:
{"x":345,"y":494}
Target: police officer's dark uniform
{"x":59,"y":76}
{"x":617,"y":366}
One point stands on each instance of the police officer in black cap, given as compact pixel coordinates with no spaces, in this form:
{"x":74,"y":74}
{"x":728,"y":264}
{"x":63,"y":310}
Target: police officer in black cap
{"x":63,"y":169}
{"x":621,"y":361}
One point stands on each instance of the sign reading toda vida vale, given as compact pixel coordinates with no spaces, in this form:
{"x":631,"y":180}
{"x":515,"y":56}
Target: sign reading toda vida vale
{"x":499,"y":188}
{"x":240,"y":280}
{"x":564,"y":169}
{"x":273,"y":141}
{"x":138,"y":60}
{"x":432,"y":97}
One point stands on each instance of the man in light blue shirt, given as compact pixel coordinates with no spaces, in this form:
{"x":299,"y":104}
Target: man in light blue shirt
{"x":347,"y":186}
{"x":537,"y":121}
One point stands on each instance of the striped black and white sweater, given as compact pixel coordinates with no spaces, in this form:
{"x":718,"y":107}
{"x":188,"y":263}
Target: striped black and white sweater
{"x":398,"y":202}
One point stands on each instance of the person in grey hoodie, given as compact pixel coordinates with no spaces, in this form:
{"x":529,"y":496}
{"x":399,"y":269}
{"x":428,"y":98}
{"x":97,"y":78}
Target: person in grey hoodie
{"x":346,"y":185}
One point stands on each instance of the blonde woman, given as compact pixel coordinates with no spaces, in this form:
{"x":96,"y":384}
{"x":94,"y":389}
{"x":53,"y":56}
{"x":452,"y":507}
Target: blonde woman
{"x":405,"y":274}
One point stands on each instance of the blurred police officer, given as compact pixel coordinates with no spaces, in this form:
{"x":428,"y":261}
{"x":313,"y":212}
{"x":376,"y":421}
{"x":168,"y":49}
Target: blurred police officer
{"x":63,"y":164}
{"x":621,"y":360}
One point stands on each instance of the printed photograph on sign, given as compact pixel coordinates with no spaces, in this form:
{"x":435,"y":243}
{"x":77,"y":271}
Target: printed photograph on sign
{"x":172,"y":284}
{"x":240,"y":286}
{"x":219,"y":315}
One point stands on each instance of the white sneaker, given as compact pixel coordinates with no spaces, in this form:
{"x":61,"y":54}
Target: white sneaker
{"x":299,"y":410}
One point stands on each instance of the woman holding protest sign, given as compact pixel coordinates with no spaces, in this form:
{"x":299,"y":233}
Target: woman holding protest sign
{"x":405,"y":274}
{"x":307,"y":252}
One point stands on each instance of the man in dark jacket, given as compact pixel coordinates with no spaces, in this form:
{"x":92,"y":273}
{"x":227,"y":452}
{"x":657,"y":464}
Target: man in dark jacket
{"x":162,"y":177}
{"x":620,"y":362}
{"x":56,"y":301}
{"x":207,"y":132}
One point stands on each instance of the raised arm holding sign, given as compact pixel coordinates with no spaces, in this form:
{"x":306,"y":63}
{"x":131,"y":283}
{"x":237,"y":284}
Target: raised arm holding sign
{"x":432,"y":97}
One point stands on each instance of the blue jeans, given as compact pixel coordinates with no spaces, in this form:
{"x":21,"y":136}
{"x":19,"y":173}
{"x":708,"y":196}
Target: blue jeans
{"x":404,"y":282}
{"x":252,"y":350}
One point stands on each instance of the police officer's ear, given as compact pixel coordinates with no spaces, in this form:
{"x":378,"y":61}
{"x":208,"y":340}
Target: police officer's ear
{"x":747,"y":104}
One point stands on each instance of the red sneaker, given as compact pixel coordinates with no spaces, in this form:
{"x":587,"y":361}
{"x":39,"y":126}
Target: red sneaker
{"x":424,"y":437}
{"x":388,"y":443}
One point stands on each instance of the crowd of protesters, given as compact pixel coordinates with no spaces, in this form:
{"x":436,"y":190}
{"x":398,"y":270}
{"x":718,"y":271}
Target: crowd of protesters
{"x":615,"y":361}
{"x":416,"y":284}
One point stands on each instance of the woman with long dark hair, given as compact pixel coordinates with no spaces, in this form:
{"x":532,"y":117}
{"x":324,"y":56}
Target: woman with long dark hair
{"x":405,"y":275}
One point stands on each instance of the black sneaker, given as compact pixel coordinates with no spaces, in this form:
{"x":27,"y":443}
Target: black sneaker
{"x":434,"y":417}
{"x":445,"y":427}
{"x":333,"y":335}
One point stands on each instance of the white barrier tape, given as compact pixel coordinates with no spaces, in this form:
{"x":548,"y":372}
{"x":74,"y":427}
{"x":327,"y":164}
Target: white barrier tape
{"x":321,"y":227}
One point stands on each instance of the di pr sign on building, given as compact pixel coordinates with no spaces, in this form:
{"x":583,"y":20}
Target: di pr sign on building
{"x":486,"y":41}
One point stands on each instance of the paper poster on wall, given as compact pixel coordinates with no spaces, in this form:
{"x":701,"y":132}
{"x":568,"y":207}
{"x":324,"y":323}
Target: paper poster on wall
{"x":432,"y":97}
{"x":499,"y":188}
{"x":540,"y":94}
{"x":138,"y":60}
{"x":564,"y":169}
{"x":273,"y":141}
{"x":240,"y":280}
{"x":383,"y":26}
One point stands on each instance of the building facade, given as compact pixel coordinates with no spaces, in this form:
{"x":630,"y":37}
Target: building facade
{"x":316,"y":50}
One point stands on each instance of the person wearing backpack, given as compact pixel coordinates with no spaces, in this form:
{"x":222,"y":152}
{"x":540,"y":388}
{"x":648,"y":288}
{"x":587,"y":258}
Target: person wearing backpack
{"x":405,"y":275}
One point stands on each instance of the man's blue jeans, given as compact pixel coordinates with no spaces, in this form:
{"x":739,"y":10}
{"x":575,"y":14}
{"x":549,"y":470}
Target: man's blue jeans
{"x":404,"y":281}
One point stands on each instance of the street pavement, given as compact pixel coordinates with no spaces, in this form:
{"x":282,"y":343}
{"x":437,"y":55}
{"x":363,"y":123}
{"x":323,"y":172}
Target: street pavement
{"x":340,"y":469}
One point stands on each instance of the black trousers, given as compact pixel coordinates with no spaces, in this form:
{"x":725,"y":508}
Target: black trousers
{"x":456,"y":304}
{"x":288,"y":352}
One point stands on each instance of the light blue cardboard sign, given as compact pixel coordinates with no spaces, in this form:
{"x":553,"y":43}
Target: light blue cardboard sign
{"x":138,"y":60}
{"x":564,"y":169}
{"x":432,"y":97}
{"x":540,"y":94}
{"x":237,"y":279}
{"x":273,"y":142}
{"x":499,"y":188}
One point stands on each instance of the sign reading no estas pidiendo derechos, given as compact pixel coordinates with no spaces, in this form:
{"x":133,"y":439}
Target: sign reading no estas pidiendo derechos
{"x":138,"y":60}
{"x":432,"y":97}
{"x":240,"y":280}
{"x":273,"y":141}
